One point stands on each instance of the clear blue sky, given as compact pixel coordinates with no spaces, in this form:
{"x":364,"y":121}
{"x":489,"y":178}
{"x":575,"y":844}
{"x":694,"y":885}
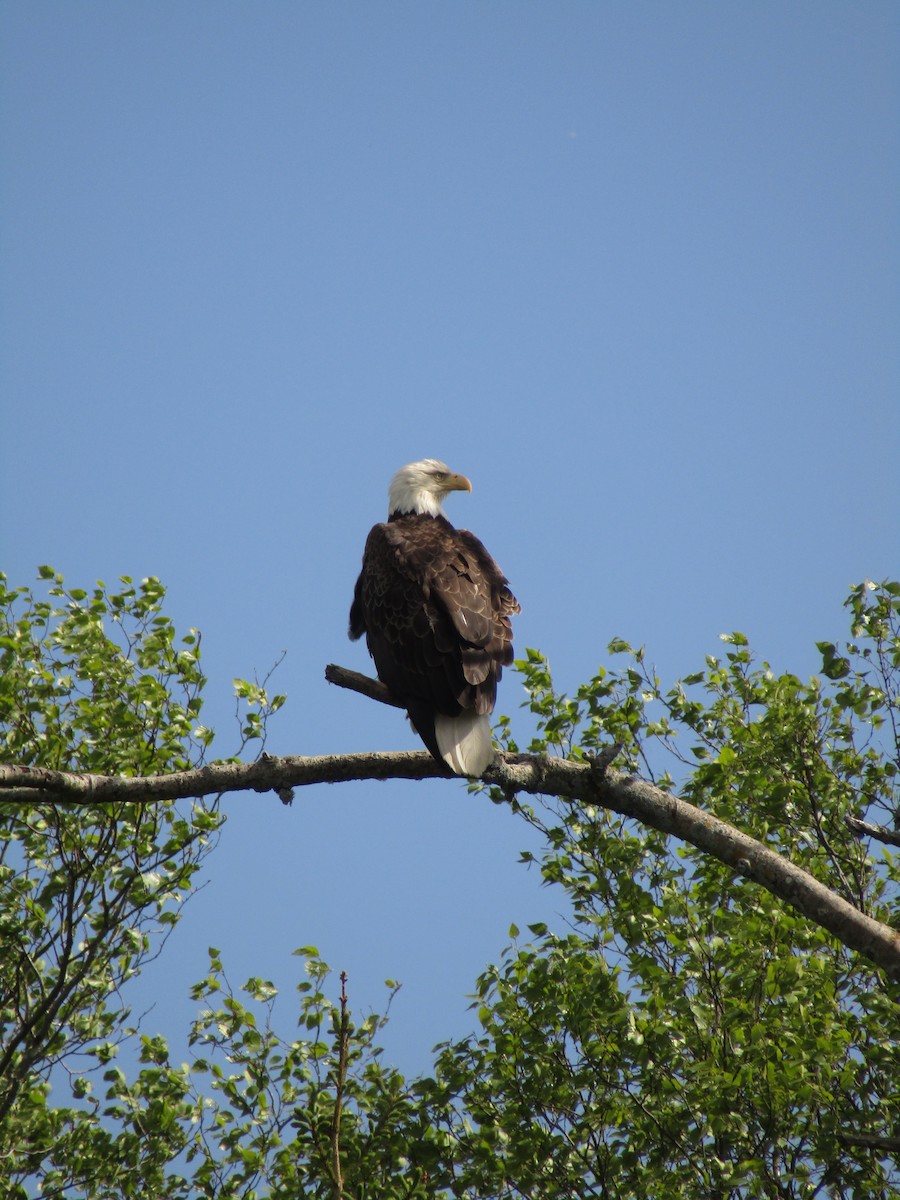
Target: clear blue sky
{"x":632,"y":267}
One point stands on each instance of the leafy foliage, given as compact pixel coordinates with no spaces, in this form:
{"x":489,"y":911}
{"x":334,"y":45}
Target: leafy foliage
{"x":687,"y":1036}
{"x":253,"y":1115}
{"x":87,"y":893}
{"x":692,"y":1036}
{"x":310,"y":1117}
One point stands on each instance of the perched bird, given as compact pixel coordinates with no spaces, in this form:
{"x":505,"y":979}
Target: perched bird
{"x":435,"y":609}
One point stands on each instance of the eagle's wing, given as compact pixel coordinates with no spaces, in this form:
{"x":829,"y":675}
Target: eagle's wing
{"x":411,"y":639}
{"x":435,"y":609}
{"x":476,"y":596}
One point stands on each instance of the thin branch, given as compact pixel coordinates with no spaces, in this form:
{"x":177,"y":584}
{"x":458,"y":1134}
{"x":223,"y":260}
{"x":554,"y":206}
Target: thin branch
{"x":866,"y":829}
{"x":337,"y":1173}
{"x":871,"y":1141}
{"x":512,"y":773}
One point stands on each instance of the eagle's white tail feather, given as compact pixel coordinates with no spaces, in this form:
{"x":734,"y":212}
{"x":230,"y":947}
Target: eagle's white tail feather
{"x":465,"y":742}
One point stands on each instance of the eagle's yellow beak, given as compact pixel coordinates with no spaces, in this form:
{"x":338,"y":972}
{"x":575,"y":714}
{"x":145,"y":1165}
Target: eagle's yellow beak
{"x":458,"y":483}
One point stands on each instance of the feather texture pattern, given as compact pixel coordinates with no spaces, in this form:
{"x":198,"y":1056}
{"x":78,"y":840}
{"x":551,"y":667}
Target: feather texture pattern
{"x":435,"y":609}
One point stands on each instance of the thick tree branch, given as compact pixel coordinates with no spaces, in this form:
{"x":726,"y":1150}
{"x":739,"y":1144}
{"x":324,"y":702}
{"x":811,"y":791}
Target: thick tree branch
{"x":267,"y":774}
{"x":532,"y":774}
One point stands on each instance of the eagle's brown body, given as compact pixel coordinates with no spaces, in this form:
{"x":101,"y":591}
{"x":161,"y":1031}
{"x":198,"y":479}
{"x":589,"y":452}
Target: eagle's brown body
{"x":435,"y":609}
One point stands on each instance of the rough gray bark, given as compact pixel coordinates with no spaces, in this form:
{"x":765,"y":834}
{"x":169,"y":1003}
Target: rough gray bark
{"x":512,"y":773}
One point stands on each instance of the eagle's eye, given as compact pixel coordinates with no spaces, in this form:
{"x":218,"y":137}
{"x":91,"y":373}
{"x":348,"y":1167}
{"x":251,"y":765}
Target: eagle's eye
{"x":439,"y":476}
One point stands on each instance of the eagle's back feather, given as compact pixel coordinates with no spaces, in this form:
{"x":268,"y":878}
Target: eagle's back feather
{"x":435,"y":609}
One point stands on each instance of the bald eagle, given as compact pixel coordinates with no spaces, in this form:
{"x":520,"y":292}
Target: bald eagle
{"x":435,"y":609}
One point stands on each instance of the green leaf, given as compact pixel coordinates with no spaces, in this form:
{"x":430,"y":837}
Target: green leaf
{"x":834,"y":665}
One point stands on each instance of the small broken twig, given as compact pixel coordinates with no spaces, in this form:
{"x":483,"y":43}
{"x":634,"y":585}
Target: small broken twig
{"x":364,"y":684}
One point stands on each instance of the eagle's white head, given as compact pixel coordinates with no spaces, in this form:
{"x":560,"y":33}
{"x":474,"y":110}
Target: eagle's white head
{"x":420,"y":487}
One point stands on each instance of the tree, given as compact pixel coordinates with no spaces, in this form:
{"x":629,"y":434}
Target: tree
{"x":720,"y":1020}
{"x":87,"y":894}
{"x":693,"y":1035}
